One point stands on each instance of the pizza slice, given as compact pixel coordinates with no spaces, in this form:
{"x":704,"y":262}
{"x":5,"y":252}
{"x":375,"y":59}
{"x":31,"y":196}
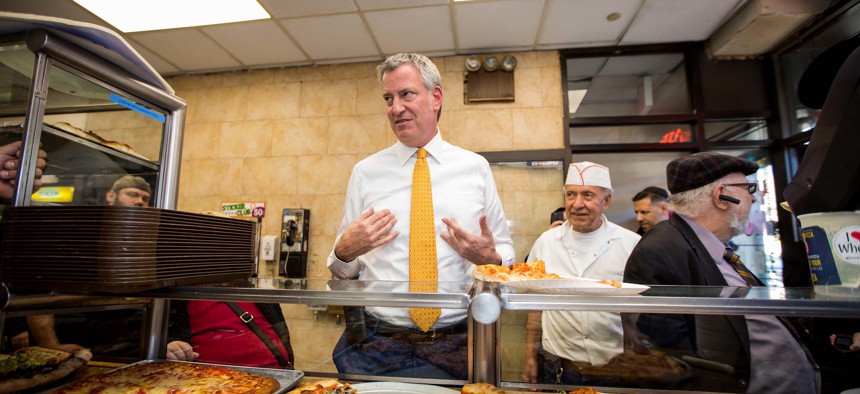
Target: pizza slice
{"x":328,"y":386}
{"x":35,"y":366}
{"x":481,"y":388}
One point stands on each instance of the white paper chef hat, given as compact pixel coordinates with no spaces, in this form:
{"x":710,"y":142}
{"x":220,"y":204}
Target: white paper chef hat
{"x":587,"y":173}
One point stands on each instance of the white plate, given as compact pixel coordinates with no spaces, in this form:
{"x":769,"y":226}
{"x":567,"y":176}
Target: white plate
{"x":576,"y":286}
{"x":400,"y":388}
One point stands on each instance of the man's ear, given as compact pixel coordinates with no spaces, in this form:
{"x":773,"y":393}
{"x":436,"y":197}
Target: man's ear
{"x":715,"y":198}
{"x":664,"y":208}
{"x":110,"y":197}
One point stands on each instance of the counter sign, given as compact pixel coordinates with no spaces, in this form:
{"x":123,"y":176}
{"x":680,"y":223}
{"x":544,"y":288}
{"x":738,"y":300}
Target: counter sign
{"x":244,"y":209}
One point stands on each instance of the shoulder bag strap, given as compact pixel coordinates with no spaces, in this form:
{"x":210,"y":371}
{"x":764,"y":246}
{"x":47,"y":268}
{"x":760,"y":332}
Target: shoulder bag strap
{"x":248,"y":319}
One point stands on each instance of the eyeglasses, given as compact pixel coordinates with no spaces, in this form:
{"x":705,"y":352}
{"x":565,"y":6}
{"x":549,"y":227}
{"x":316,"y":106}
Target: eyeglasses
{"x":751,"y":186}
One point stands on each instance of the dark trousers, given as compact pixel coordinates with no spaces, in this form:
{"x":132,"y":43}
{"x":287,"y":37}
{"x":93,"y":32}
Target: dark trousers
{"x":375,"y":347}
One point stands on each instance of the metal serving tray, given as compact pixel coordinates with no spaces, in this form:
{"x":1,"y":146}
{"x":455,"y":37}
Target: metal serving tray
{"x":288,"y":378}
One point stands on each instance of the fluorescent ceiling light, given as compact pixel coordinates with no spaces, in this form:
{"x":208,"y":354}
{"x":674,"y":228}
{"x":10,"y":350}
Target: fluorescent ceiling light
{"x":131,"y":16}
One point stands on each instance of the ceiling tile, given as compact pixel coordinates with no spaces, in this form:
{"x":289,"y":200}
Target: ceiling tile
{"x":332,"y":37}
{"x":366,"y":5}
{"x":188,"y":49}
{"x":500,"y":24}
{"x":584,"y":21}
{"x":298,"y":8}
{"x":159,"y":64}
{"x":678,"y":20}
{"x":391,"y":29}
{"x":256,"y":43}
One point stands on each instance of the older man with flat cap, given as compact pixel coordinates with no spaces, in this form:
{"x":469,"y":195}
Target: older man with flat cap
{"x":585,"y":246}
{"x":711,"y":198}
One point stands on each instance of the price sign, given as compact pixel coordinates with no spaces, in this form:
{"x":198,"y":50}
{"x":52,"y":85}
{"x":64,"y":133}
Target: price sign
{"x":244,"y":209}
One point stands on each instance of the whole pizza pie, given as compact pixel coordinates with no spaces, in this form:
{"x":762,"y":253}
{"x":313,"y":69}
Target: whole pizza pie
{"x":175,"y":378}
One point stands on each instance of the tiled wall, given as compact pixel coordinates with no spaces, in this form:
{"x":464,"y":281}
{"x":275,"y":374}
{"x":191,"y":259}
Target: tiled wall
{"x":289,"y":137}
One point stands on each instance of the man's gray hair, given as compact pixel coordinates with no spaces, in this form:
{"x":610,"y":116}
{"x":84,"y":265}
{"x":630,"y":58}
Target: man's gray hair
{"x":693,"y":203}
{"x":429,"y":73}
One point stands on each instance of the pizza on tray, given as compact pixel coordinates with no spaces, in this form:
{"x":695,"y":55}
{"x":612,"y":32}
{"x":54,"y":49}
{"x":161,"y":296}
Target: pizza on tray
{"x":175,"y":378}
{"x":535,"y":270}
{"x":34,"y":366}
{"x":327,"y":386}
{"x":481,"y":388}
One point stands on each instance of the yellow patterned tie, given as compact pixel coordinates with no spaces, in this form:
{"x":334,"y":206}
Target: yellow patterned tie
{"x":735,"y":261}
{"x":422,"y":243}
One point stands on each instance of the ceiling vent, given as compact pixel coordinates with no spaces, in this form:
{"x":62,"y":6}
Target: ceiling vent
{"x":760,"y":26}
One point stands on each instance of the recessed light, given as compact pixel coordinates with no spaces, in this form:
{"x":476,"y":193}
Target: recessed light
{"x":133,"y":16}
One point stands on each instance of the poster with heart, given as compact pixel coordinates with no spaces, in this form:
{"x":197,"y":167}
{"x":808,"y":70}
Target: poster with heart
{"x":846,"y":244}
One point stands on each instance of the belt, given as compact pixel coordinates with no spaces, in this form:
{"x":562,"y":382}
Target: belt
{"x":577,"y":366}
{"x":385,"y":329}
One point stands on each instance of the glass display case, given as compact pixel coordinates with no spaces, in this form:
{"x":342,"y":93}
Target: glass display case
{"x":496,"y":341}
{"x":82,"y":95}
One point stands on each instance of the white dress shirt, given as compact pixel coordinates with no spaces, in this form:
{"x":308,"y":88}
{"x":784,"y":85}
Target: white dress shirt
{"x":592,"y":337}
{"x":463,"y":189}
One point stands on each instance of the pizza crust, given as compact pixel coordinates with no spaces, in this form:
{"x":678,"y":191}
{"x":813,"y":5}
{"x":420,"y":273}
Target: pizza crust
{"x":91,"y":136}
{"x":78,"y":359}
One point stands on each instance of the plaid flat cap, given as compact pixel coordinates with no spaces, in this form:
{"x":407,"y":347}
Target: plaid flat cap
{"x":699,"y":169}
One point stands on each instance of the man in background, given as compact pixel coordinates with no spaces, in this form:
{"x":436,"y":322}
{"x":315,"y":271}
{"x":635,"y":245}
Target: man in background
{"x":651,"y":206}
{"x":712,"y":198}
{"x":129,"y":191}
{"x":587,"y":245}
{"x":387,"y":235}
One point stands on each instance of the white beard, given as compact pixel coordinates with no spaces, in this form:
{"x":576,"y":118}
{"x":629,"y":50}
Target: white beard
{"x":737,"y":223}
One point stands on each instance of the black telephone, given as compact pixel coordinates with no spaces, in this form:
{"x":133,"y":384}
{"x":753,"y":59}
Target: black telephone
{"x":557,"y":216}
{"x":843,"y":342}
{"x":292,"y":233}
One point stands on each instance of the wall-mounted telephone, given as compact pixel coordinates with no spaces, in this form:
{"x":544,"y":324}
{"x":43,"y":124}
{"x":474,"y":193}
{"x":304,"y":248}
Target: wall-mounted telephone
{"x":293,"y":256}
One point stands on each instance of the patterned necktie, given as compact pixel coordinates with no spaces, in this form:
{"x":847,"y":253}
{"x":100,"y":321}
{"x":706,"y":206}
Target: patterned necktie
{"x":422,"y":243}
{"x":735,"y":261}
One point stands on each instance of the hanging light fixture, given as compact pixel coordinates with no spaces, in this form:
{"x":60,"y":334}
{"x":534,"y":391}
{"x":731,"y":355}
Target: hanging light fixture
{"x":473,"y":63}
{"x":509,"y":63}
{"x":491,"y":63}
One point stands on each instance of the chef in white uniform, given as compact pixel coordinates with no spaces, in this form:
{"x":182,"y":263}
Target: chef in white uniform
{"x":585,"y":246}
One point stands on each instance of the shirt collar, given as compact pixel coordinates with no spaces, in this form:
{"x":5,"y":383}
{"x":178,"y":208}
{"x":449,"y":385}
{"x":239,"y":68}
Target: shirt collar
{"x":434,"y":149}
{"x":603,"y":226}
{"x":712,"y":244}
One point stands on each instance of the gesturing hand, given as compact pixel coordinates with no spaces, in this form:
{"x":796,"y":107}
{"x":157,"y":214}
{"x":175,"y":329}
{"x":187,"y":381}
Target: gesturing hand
{"x":367,"y":232}
{"x":478,"y":249}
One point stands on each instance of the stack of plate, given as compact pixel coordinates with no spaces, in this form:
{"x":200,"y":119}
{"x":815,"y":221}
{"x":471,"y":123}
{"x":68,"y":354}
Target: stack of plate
{"x":121,"y":249}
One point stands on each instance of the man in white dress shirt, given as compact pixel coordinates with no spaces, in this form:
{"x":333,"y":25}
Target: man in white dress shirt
{"x":373,"y":240}
{"x":586,"y":246}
